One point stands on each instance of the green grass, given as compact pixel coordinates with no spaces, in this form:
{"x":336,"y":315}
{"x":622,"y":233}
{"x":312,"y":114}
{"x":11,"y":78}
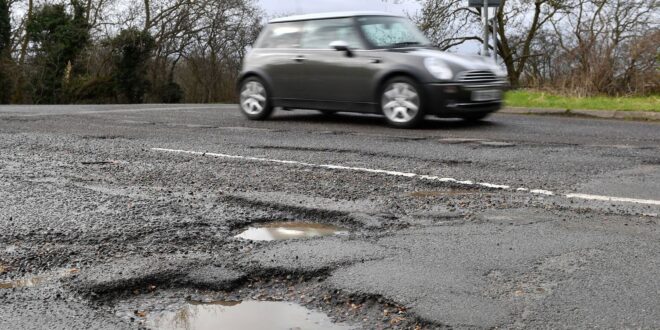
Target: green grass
{"x":536,"y":99}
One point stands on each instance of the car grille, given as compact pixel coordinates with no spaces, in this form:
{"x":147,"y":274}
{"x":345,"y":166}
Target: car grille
{"x":477,"y":77}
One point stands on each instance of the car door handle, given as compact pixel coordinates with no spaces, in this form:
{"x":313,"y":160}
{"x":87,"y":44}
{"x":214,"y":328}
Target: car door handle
{"x":299,"y":58}
{"x":375,"y":60}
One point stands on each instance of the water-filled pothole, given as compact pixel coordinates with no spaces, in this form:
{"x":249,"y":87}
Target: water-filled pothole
{"x":29,"y":282}
{"x":246,"y":315}
{"x":290,"y":230}
{"x":22,"y":283}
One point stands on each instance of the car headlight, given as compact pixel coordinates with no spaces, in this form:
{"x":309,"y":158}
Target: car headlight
{"x":438,"y":68}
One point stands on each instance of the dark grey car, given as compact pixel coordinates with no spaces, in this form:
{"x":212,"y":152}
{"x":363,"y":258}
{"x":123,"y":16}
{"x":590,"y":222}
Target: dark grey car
{"x":364,"y":62}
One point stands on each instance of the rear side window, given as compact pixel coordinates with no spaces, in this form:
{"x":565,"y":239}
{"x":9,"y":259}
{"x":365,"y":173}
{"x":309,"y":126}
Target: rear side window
{"x":281,"y":35}
{"x":320,"y":33}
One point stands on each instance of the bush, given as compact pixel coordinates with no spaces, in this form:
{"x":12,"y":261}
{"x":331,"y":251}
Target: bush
{"x":131,"y":51}
{"x":98,"y":90}
{"x":59,"y":38}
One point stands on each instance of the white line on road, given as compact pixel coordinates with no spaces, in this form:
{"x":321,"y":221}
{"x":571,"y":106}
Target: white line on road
{"x":613,"y":199}
{"x":414,"y":175}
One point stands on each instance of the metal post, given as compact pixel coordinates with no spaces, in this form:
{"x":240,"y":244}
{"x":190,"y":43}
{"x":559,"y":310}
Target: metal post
{"x":495,"y":35}
{"x":484,"y":11}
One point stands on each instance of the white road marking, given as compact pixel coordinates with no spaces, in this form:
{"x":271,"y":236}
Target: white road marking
{"x":542,"y":192}
{"x":613,"y":199}
{"x":414,"y":175}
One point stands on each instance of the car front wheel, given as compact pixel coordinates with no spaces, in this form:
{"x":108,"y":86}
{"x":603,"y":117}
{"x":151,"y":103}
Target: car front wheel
{"x":254,"y":99}
{"x":402,"y":103}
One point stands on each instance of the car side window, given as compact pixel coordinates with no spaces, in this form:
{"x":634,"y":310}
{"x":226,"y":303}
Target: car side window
{"x":386,"y":31}
{"x":281,"y":35}
{"x":319,"y":34}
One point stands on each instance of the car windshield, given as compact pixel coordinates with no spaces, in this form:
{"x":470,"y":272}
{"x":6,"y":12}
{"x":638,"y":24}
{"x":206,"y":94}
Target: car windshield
{"x":391,"y":32}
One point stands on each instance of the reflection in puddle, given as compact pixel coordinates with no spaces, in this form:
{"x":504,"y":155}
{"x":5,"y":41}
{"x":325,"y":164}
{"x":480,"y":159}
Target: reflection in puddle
{"x":22,"y":283}
{"x":248,"y":315}
{"x":36,"y":280}
{"x":290,"y":230}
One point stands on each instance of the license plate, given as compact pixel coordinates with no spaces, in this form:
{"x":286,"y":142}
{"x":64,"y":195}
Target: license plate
{"x":486,"y":95}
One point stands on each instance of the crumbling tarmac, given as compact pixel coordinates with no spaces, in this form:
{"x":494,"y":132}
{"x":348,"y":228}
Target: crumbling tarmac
{"x":99,"y":230}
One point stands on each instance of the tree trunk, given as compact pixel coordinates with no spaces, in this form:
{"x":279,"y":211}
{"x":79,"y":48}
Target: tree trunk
{"x":147,"y":15}
{"x":18,"y":96}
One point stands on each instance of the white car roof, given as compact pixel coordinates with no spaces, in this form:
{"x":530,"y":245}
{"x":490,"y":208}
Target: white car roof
{"x":341,"y":14}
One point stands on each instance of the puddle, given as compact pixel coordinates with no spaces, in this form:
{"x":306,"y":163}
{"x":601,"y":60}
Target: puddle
{"x":36,"y":280}
{"x":497,"y":144}
{"x":458,"y":140}
{"x":22,"y":283}
{"x":290,"y":230}
{"x":247,"y":315}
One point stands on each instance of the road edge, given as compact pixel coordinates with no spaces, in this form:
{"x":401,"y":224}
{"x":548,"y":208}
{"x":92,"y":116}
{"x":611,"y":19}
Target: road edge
{"x":603,"y":114}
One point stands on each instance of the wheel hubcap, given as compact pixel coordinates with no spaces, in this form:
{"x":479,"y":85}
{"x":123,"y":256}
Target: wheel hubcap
{"x":400,"y":102}
{"x":253,"y":98}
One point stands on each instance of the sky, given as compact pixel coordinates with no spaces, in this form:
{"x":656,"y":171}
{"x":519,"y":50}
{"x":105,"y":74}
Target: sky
{"x":285,"y":7}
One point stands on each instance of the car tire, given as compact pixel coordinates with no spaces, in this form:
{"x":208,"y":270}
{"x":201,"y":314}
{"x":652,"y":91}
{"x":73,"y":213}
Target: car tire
{"x":255,"y":102}
{"x":475,"y":117}
{"x":402,"y":103}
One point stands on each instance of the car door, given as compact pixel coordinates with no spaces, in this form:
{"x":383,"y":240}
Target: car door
{"x":336,"y":79}
{"x":280,"y":57}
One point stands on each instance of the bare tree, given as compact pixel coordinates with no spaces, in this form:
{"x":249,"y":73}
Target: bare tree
{"x":449,"y":23}
{"x":602,"y":43}
{"x":445,"y":22}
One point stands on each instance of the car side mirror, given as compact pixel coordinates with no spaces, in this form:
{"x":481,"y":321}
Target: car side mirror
{"x":341,"y":46}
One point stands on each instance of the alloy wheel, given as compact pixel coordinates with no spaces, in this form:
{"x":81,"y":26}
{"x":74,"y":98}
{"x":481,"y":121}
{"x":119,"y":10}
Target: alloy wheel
{"x":400,"y":102}
{"x":253,"y":98}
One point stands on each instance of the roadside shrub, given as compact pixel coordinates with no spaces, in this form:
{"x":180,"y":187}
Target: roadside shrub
{"x":98,"y":90}
{"x":131,"y":51}
{"x":58,"y":37}
{"x":168,"y":93}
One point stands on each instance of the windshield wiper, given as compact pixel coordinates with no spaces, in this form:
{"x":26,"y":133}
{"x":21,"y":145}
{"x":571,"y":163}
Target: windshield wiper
{"x":405,"y":44}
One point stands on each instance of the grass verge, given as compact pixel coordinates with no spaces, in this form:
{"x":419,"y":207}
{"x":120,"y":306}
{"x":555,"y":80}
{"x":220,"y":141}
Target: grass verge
{"x":536,"y":99}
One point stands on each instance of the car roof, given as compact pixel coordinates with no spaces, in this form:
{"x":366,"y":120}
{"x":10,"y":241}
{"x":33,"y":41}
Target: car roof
{"x":340,"y":14}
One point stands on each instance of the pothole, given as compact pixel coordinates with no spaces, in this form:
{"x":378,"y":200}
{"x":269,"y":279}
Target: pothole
{"x":22,"y":283}
{"x":304,"y":302}
{"x":290,"y":230}
{"x":29,"y":282}
{"x":458,"y":140}
{"x":497,"y":144}
{"x":245,"y":315}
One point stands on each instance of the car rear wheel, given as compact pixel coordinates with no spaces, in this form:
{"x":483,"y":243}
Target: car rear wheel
{"x":402,"y":103}
{"x":254,"y":99}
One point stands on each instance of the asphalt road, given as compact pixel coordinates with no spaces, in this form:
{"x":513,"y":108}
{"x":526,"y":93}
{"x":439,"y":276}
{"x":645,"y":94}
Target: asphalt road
{"x":109,"y":213}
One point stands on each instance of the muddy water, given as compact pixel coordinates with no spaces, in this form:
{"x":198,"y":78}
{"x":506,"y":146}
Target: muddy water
{"x":22,"y":283}
{"x":247,"y":315}
{"x":290,"y":230}
{"x":37,"y":280}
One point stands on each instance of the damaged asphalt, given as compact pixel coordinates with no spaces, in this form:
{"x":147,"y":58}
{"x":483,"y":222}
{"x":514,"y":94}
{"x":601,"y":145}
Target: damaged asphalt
{"x":113,"y":230}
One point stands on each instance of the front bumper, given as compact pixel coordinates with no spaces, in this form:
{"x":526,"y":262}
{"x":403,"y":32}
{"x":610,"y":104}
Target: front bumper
{"x":455,"y":99}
